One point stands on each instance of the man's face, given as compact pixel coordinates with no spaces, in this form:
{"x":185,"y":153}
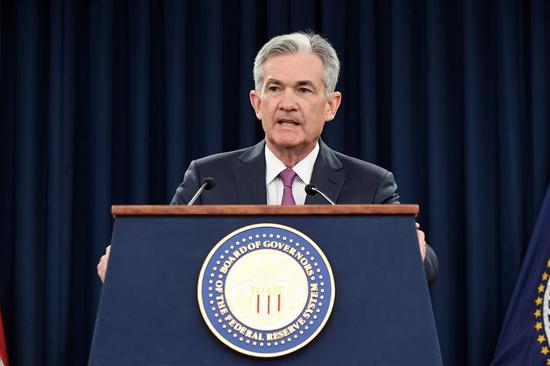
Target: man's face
{"x":292,"y":104}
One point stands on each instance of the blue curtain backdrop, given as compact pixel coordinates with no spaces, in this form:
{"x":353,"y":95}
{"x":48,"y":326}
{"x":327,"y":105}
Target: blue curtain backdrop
{"x":106,"y":102}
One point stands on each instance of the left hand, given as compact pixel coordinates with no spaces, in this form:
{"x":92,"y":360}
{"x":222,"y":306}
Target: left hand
{"x":421,"y":241}
{"x":103,"y":263}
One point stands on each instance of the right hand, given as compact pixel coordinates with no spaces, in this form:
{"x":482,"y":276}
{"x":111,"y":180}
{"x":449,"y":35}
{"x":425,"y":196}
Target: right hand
{"x":103,"y":263}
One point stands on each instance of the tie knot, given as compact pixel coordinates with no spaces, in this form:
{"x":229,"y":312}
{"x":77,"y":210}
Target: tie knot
{"x":287,"y":176}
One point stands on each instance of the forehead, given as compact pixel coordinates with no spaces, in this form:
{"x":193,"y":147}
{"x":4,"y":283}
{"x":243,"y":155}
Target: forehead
{"x":290,"y":68}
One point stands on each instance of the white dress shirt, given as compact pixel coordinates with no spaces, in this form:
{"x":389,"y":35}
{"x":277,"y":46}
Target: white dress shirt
{"x":274,"y":184}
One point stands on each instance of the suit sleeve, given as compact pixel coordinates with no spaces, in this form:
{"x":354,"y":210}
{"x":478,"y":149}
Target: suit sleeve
{"x":187,"y":188}
{"x":387,"y":193}
{"x":387,"y":190}
{"x":431,"y":265}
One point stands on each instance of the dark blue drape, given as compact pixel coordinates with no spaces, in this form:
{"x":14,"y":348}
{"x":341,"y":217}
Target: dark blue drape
{"x":106,"y":102}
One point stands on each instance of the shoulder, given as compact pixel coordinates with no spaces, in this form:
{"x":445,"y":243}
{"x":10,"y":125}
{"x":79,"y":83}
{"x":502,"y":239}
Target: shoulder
{"x":364,"y":182}
{"x":364,"y":174}
{"x":220,"y":158}
{"x":354,"y":166}
{"x":361,"y":166}
{"x":221,"y":167}
{"x":230,"y":157}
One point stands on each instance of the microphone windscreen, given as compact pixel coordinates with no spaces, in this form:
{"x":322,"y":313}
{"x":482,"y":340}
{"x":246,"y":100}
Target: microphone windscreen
{"x":209,"y":183}
{"x":311,"y":189}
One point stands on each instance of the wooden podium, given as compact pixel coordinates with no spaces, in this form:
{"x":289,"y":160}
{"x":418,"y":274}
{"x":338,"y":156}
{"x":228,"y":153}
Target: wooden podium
{"x":149,"y":313}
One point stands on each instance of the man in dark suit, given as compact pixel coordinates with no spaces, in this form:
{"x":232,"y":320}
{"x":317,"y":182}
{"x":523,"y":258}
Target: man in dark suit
{"x":240,"y":179}
{"x":295,"y":78}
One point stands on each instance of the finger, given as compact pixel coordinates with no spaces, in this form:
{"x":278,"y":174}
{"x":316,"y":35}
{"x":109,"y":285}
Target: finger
{"x":108,"y":250}
{"x":101,"y":270}
{"x":102,"y":276}
{"x":417,"y":225}
{"x":421,"y":235}
{"x":421,"y":244}
{"x":102,"y":262}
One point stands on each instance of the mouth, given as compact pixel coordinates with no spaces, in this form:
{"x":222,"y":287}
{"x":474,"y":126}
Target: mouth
{"x":287,"y":122}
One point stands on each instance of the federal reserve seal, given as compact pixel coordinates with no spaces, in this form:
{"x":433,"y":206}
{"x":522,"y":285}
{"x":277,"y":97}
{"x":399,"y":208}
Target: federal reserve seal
{"x":266,"y":290}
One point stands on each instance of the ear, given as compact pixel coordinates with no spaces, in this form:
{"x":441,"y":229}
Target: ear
{"x":333,"y":102}
{"x":256,"y":102}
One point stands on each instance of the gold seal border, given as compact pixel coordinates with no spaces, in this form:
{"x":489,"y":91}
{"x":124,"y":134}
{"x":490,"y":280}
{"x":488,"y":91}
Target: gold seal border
{"x":541,"y":311}
{"x":257,"y":354}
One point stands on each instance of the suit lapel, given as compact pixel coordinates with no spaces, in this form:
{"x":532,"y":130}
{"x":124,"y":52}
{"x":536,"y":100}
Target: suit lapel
{"x":249,"y":171}
{"x":328,"y":175}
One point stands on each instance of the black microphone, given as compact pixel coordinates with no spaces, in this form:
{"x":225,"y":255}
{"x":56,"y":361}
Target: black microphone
{"x":312,"y":191}
{"x":207,"y":184}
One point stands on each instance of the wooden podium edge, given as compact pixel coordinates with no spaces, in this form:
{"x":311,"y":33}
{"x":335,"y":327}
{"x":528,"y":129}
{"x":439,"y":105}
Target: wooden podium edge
{"x":262,"y":210}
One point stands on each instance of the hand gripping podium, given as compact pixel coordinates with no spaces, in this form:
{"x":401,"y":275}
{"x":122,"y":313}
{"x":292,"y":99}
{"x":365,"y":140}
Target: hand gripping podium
{"x":219,"y":285}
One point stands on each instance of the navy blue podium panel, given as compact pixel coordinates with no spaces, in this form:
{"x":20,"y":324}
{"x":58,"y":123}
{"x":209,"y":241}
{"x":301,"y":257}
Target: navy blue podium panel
{"x":149,"y":313}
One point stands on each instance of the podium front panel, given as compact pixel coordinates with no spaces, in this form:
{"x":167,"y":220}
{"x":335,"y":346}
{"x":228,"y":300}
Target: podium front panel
{"x":149,"y":313}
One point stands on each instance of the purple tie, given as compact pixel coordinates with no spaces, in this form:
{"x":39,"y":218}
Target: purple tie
{"x":287,"y":176}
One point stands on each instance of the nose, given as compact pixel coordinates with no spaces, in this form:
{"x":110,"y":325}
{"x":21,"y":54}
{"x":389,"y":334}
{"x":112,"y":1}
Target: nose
{"x":288,"y":102}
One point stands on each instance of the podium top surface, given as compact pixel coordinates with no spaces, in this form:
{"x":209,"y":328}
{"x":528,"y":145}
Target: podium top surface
{"x":171,"y":210}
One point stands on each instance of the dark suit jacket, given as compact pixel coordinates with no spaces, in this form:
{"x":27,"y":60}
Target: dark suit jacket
{"x":240,"y":179}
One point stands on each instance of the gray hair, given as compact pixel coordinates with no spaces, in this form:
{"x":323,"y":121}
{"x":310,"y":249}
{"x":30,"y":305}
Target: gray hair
{"x":299,"y":42}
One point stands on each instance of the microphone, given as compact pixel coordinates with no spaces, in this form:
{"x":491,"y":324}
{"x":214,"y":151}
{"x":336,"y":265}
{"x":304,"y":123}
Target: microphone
{"x":312,"y":190}
{"x":207,"y":184}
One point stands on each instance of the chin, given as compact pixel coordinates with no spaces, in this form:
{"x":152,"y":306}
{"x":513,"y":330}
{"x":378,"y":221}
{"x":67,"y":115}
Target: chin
{"x":286,"y":139}
{"x":287,"y":144}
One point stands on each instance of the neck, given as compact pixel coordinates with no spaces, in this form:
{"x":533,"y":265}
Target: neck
{"x":291,"y":157}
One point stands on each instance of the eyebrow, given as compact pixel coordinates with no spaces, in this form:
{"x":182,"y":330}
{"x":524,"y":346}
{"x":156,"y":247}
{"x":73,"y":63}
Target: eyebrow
{"x":306,"y":83}
{"x":273,"y":81}
{"x":298,"y":83}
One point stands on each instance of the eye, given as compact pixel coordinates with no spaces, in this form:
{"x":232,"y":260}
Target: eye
{"x":304,"y":90}
{"x":273,"y":88}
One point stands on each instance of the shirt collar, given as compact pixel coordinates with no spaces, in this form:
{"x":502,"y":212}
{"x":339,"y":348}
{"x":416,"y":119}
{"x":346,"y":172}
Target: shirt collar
{"x":304,"y":168}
